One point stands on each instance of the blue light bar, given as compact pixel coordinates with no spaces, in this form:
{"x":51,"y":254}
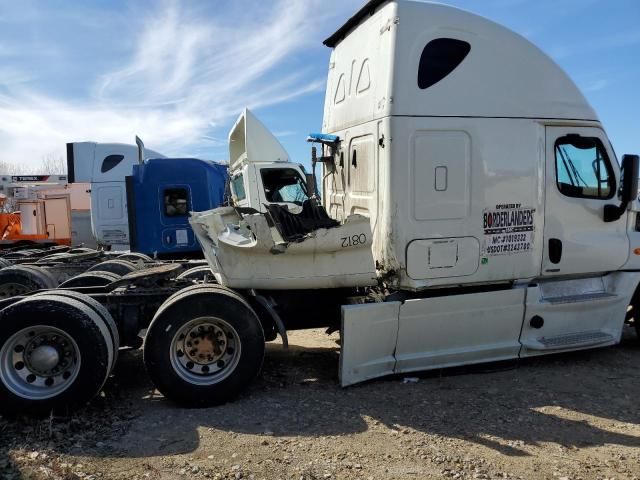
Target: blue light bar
{"x":323,"y":138}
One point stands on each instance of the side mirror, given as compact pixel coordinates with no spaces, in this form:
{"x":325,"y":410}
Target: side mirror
{"x":630,"y":169}
{"x":630,"y":173}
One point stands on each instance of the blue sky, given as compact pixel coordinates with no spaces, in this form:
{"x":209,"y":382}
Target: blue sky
{"x":179,"y":73}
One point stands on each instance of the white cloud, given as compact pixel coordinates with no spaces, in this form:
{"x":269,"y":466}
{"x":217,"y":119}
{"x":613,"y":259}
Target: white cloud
{"x":187,"y":75}
{"x":595,"y":86}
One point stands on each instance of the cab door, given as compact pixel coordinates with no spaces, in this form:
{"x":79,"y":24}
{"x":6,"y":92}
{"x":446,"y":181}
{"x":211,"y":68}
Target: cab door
{"x":582,"y":176}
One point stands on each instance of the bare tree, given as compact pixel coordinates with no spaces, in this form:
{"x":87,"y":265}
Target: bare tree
{"x":52,"y":164}
{"x":7,"y":168}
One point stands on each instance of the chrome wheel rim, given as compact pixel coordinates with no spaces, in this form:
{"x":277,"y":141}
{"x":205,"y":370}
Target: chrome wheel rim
{"x":205,"y":351}
{"x":39,"y":362}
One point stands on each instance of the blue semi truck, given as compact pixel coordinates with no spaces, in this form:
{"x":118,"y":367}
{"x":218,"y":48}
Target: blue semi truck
{"x":160,"y":194}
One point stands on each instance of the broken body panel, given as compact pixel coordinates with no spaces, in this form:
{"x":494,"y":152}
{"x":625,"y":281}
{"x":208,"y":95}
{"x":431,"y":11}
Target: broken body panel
{"x":248,"y":250}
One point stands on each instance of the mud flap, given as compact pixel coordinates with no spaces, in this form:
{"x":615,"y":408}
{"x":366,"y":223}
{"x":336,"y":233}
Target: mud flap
{"x":369,"y":335}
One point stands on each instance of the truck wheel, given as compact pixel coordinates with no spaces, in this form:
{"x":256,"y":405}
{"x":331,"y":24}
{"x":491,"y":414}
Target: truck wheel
{"x":49,"y":280}
{"x":55,"y":354}
{"x":198,"y":273}
{"x":98,"y":308}
{"x":91,"y":279}
{"x":135,"y":256}
{"x":121,"y":267}
{"x":21,"y":279}
{"x":204,"y":346}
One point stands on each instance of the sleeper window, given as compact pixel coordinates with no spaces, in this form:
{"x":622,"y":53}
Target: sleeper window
{"x":439,"y":58}
{"x":176,"y":203}
{"x":583,"y":168}
{"x":110,"y":162}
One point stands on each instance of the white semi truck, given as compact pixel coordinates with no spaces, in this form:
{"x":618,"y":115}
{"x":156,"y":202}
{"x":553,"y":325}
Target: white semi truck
{"x":473,"y":210}
{"x":483,"y":214}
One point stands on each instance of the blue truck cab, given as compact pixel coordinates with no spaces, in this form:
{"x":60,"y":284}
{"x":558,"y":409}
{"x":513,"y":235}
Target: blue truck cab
{"x":160,"y":194}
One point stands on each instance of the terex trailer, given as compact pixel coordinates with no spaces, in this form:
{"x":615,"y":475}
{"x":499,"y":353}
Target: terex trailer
{"x":473,"y":210}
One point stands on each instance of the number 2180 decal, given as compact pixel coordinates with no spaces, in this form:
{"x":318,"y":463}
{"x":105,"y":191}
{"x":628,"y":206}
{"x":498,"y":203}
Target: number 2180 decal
{"x":354,"y":240}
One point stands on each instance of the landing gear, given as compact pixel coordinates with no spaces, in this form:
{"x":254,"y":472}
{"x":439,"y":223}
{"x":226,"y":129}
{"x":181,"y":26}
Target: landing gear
{"x":204,"y":346}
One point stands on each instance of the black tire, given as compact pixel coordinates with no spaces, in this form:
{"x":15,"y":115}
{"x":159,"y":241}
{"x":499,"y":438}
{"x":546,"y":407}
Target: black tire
{"x":45,"y":275}
{"x":73,"y":255}
{"x":22,"y":279}
{"x":121,"y":267}
{"x":90,"y":279}
{"x":18,"y":255}
{"x":135,"y":256}
{"x":181,"y":309}
{"x":198,"y":273}
{"x":97,"y":307}
{"x":70,"y":318}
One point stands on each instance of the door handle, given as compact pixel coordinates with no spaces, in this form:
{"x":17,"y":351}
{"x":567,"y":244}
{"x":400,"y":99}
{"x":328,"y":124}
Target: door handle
{"x":555,"y":250}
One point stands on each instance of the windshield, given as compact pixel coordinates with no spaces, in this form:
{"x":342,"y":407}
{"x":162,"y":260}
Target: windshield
{"x":284,"y":185}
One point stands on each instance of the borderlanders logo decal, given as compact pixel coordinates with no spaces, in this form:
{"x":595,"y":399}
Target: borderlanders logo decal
{"x":509,"y":228}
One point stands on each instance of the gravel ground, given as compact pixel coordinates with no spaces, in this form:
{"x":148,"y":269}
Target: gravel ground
{"x":562,"y":417}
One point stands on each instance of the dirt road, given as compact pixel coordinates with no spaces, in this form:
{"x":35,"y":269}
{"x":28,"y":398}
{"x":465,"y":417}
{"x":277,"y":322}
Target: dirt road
{"x":565,"y":417}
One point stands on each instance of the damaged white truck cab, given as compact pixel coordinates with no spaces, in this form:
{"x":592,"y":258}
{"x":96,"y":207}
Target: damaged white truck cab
{"x":260,"y":169}
{"x":474,"y":209}
{"x":242,"y":246}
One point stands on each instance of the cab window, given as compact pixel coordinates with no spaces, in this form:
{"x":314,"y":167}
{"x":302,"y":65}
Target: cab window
{"x":176,"y":203}
{"x":237,"y":187}
{"x":583,"y":168}
{"x":283,"y":185}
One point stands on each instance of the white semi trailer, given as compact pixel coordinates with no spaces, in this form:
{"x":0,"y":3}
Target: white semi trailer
{"x":473,"y":210}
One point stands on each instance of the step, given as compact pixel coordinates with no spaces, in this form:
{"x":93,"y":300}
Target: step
{"x":583,"y":297}
{"x":569,"y":341}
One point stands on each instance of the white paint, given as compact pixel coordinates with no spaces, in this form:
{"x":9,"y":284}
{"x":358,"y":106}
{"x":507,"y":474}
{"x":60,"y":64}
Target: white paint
{"x":588,"y":243}
{"x":378,"y":323}
{"x":442,"y":257}
{"x":454,"y":330}
{"x":181,"y":237}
